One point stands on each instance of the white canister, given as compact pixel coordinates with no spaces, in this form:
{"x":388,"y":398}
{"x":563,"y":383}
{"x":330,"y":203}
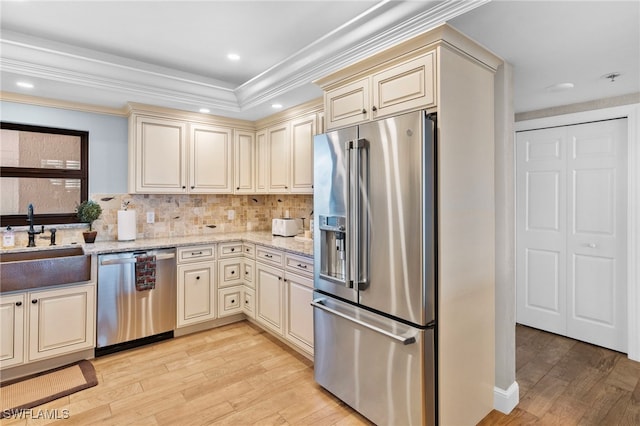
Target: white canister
{"x":126,"y":225}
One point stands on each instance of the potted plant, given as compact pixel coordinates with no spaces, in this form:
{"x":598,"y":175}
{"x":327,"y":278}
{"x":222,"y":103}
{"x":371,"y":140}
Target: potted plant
{"x":87,"y":212}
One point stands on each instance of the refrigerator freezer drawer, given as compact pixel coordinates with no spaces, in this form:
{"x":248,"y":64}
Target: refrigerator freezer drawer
{"x":382,"y":368}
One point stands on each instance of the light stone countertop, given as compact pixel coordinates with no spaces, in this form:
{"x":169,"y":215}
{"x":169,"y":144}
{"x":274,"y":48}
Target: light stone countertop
{"x":287,"y":244}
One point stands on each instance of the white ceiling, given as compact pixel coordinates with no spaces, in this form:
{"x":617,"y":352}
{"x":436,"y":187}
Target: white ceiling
{"x":173,"y":53}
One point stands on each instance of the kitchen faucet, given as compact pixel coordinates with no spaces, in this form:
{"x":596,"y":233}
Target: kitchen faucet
{"x":32,"y":232}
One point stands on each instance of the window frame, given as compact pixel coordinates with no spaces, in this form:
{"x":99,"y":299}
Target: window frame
{"x":41,"y":173}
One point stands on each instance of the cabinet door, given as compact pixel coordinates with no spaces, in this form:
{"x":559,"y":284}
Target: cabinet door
{"x":160,"y":156}
{"x":230,"y":272}
{"x":61,"y":321}
{"x":211,"y":160}
{"x":302,"y":133}
{"x":249,"y":302}
{"x":261,"y":161}
{"x":248,"y":266}
{"x":230,"y":301}
{"x":196,"y":293}
{"x":347,"y":105}
{"x":269,"y":298}
{"x":299,"y":294}
{"x":279,"y":159}
{"x":12,"y":309}
{"x":244,"y":167}
{"x":403,"y":87}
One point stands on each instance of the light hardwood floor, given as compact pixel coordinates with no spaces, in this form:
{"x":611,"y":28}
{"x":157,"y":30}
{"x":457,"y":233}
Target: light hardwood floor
{"x":232,"y":375}
{"x":240,"y":375}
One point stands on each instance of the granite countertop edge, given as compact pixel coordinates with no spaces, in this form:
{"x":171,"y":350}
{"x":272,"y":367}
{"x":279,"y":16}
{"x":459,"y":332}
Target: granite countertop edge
{"x":264,"y":238}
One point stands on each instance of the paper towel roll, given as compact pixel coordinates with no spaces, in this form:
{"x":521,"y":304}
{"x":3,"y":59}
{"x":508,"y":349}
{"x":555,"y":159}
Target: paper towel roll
{"x":126,"y":225}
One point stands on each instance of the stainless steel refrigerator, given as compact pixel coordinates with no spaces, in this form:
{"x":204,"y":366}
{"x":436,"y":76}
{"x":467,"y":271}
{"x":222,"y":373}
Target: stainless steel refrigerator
{"x":375,"y":267}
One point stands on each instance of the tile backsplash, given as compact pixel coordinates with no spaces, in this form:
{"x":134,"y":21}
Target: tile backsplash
{"x":186,"y":215}
{"x":182,"y":215}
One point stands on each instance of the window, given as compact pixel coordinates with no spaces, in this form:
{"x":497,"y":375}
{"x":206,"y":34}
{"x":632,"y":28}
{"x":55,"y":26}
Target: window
{"x":43,"y":166}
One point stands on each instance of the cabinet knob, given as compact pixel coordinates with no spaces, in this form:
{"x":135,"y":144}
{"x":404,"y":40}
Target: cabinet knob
{"x":233,"y":300}
{"x":34,"y":301}
{"x":193,"y":187}
{"x":286,"y":187}
{"x":237,"y":188}
{"x":233,"y":249}
{"x":364,"y":111}
{"x":184,"y":187}
{"x":233,"y":272}
{"x":198,"y":277}
{"x":285,"y":280}
{"x":18,"y":303}
{"x":246,"y":272}
{"x":374,"y":109}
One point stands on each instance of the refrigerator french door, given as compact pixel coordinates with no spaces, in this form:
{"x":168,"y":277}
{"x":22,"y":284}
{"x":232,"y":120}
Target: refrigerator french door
{"x":375,"y":267}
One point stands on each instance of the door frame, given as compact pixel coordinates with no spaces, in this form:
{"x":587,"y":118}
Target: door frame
{"x":632,"y":114}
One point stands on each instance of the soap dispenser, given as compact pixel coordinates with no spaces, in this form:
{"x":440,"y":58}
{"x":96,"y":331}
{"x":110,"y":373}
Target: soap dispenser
{"x":9,"y":238}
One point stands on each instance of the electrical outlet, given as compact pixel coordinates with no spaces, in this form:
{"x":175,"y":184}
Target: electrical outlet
{"x":151,"y":217}
{"x":231,"y":214}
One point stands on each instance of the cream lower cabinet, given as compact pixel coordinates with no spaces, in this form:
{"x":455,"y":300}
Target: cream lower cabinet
{"x":299,"y":324}
{"x":61,"y":321}
{"x":270,"y":298}
{"x":197,"y":290}
{"x":12,"y":331}
{"x":283,"y":293}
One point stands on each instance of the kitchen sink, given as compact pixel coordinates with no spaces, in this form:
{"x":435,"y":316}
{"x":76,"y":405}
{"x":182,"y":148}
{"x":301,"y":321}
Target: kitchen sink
{"x":41,"y":268}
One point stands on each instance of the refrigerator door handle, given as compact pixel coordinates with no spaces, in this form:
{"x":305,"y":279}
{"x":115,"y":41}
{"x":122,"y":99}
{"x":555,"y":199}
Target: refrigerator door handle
{"x":318,"y":303}
{"x":357,"y":220}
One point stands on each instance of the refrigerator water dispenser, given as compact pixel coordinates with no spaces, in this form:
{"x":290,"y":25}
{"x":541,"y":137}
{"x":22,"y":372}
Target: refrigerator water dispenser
{"x":333,"y":247}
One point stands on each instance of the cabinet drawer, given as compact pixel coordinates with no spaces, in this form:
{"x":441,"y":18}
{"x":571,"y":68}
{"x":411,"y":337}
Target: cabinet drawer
{"x":230,"y":301}
{"x":196,"y":253}
{"x":230,"y":249}
{"x":298,"y":264}
{"x":249,"y":250}
{"x":230,"y":272}
{"x":269,"y":256}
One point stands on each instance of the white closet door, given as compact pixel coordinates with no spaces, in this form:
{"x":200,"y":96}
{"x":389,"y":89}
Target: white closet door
{"x":597,"y":239}
{"x":541,"y":229}
{"x":571,"y":194}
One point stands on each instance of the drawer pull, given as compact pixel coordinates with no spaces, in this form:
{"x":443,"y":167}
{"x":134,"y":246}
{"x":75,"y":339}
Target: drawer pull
{"x":268,"y":256}
{"x":196,"y":253}
{"x":300,"y":265}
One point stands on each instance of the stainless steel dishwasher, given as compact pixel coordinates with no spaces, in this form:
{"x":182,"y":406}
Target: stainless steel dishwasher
{"x":128,"y":317}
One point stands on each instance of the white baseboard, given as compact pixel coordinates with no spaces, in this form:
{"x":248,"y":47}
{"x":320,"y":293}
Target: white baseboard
{"x":506,"y":400}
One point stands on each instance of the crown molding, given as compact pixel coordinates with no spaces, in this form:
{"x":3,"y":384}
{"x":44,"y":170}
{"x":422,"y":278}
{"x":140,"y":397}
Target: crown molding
{"x":385,"y":24}
{"x":55,"y":103}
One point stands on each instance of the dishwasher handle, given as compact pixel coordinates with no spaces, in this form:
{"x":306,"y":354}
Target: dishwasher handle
{"x":124,"y":260}
{"x":317,"y":303}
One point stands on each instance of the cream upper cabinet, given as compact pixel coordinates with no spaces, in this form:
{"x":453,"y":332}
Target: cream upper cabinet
{"x":302,"y":132}
{"x":261,"y":161}
{"x":245,"y":164}
{"x":406,"y":86}
{"x":348,"y":104}
{"x":400,"y":86}
{"x":210,"y":159}
{"x":279,"y":160}
{"x":158,"y":156}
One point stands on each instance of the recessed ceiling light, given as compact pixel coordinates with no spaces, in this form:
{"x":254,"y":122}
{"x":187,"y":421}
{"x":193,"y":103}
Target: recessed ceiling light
{"x":24,"y":85}
{"x":205,"y":110}
{"x":276,"y":106}
{"x":560,"y":87}
{"x":233,"y":57}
